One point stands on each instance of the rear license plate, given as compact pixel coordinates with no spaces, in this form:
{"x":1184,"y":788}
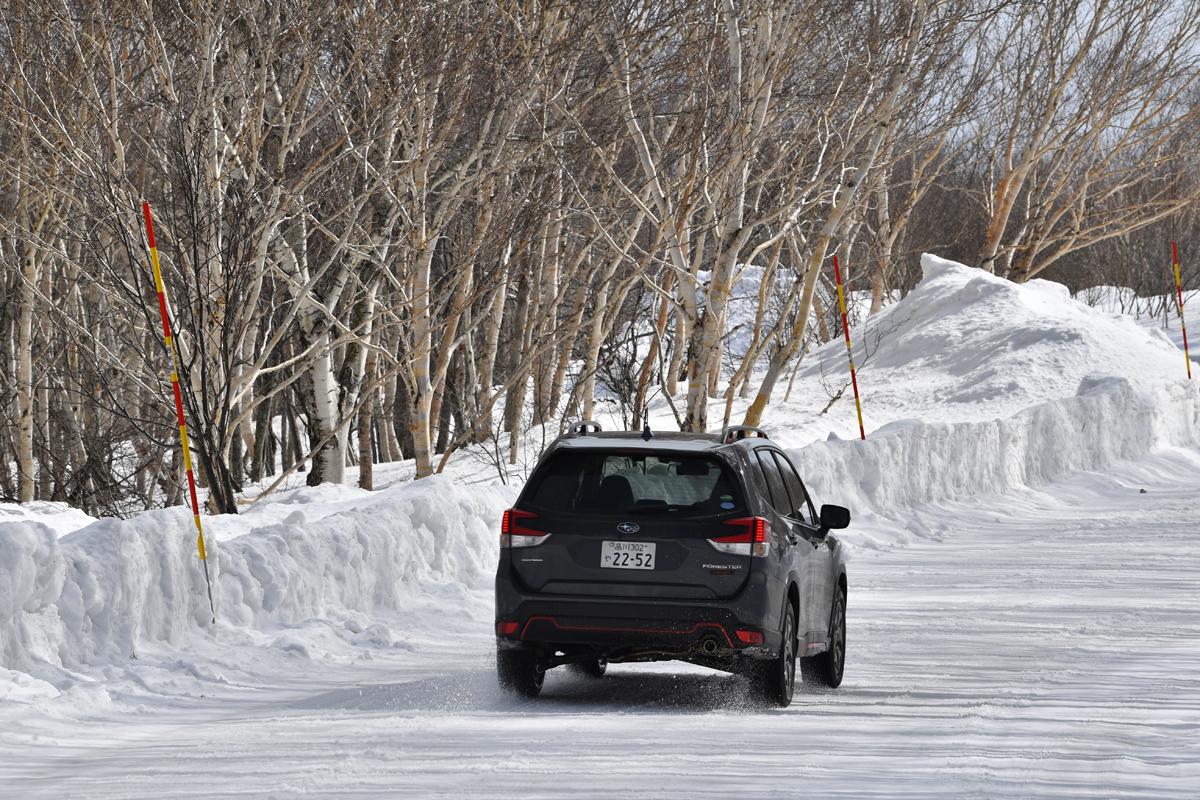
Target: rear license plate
{"x":627,"y":555}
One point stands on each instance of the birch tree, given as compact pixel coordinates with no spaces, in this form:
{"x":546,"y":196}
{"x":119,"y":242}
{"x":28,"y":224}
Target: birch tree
{"x":876,"y":125}
{"x":1092,"y":99}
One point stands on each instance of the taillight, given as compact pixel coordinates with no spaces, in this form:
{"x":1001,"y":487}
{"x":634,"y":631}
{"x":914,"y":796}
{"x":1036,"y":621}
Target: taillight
{"x":506,"y":628}
{"x":515,"y":534}
{"x":755,"y":539}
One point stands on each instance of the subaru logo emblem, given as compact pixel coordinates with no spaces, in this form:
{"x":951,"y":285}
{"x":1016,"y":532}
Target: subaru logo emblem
{"x":629,"y":527}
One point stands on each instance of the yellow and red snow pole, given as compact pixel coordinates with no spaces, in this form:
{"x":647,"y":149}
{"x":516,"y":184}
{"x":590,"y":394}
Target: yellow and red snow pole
{"x":183,"y":437}
{"x":837,"y":273}
{"x":1179,"y":299}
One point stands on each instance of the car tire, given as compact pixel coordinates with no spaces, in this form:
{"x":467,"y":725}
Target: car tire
{"x":825,"y":669}
{"x":593,"y":668}
{"x":519,"y":672}
{"x":775,"y":680}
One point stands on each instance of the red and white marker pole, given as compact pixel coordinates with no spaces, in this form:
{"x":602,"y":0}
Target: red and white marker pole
{"x":1179,"y":299}
{"x":837,"y":273}
{"x":183,"y":437}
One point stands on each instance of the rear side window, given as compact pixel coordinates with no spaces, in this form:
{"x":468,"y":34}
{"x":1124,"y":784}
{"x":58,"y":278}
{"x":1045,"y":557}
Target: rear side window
{"x":779,"y":497}
{"x":597,"y":482}
{"x":795,"y":488}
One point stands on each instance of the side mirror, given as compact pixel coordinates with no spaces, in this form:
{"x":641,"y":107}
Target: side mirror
{"x":834,"y":517}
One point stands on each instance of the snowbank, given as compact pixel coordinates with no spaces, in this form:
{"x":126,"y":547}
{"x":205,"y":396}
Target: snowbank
{"x":99,"y":595}
{"x":59,"y":517}
{"x":1011,"y":387}
{"x":1159,"y":314}
{"x":966,"y":346}
{"x":909,"y":464}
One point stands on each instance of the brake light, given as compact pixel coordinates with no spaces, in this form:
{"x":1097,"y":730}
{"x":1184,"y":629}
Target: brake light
{"x":515,"y":534}
{"x":755,"y":539}
{"x":749,"y":637}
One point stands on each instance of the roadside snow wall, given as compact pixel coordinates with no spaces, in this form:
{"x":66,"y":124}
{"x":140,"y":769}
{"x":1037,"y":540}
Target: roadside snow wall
{"x":104,"y":593}
{"x":97,"y":596}
{"x":908,"y":464}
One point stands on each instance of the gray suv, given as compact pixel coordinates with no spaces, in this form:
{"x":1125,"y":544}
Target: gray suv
{"x":632,"y":546}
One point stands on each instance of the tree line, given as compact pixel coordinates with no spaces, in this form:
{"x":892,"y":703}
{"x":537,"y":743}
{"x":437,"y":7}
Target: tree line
{"x":390,"y":230}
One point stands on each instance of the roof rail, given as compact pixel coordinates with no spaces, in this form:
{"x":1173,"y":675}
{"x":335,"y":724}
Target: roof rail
{"x":732,"y":433}
{"x":580,"y":428}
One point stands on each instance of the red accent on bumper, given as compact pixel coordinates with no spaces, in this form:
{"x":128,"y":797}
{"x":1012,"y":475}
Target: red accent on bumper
{"x":605,"y":629}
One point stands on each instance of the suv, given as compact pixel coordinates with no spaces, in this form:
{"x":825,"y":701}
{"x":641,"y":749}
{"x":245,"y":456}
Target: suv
{"x":648,"y":546}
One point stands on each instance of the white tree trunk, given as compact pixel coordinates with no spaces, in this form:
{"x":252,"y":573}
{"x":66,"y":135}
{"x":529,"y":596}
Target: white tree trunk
{"x":329,"y":460}
{"x":25,"y":389}
{"x":420,"y":424}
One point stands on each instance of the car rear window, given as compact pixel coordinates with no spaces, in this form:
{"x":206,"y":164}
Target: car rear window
{"x":608,"y":482}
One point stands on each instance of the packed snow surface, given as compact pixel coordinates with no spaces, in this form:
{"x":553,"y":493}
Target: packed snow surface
{"x":1022,"y":619}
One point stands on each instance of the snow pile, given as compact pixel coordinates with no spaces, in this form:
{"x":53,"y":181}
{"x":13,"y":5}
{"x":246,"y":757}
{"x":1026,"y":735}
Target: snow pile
{"x":302,"y":504}
{"x":911,"y":464}
{"x":966,"y":346}
{"x":1158,"y":314}
{"x":983,"y":386}
{"x":101,"y":594}
{"x":1010,"y":387}
{"x":59,"y":517}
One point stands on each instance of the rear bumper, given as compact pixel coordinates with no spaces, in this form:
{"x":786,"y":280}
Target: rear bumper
{"x":670,"y":630}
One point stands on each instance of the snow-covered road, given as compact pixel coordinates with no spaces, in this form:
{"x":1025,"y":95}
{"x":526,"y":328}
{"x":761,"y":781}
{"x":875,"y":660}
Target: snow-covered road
{"x":1039,"y":645}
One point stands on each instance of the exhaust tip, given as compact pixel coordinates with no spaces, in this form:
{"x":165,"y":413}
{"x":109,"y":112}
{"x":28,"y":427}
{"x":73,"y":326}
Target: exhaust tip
{"x":709,"y":646}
